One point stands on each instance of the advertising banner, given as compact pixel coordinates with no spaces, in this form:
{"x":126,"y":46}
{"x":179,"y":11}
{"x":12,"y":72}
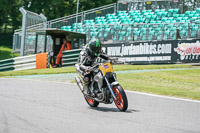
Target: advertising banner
{"x":155,"y":51}
{"x":187,"y":51}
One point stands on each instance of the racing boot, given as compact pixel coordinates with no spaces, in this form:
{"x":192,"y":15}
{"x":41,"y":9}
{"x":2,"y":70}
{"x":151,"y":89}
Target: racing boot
{"x":87,"y":90}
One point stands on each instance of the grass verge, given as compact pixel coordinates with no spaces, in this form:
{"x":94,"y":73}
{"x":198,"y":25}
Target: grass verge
{"x":143,"y":67}
{"x":39,"y":71}
{"x":6,"y":53}
{"x":178,"y":83}
{"x":72,"y":69}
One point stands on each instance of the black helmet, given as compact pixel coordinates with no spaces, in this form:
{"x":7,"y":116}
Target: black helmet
{"x":95,"y":47}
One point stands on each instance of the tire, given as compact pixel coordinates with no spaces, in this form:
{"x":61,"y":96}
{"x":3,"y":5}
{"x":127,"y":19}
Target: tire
{"x":91,"y":102}
{"x":121,"y":102}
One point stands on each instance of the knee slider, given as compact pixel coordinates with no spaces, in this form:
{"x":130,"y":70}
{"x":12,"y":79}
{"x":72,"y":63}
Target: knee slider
{"x":86,"y":79}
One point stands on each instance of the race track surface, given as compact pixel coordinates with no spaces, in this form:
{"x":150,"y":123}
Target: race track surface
{"x":29,"y":106}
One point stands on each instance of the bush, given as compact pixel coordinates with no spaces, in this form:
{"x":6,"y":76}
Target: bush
{"x":6,"y":39}
{"x":6,"y":53}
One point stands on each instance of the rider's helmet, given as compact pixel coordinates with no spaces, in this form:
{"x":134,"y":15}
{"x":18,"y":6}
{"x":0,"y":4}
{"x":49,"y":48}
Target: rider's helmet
{"x":95,"y":47}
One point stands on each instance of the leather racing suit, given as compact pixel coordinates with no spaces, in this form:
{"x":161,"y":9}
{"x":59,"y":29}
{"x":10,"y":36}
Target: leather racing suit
{"x":85,"y":61}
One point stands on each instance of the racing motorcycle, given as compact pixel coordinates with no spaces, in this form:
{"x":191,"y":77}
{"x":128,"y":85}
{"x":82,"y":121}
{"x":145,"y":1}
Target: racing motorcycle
{"x":104,"y":86}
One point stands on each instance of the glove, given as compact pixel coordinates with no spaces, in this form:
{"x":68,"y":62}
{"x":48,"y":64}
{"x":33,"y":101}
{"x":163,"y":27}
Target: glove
{"x":88,"y":69}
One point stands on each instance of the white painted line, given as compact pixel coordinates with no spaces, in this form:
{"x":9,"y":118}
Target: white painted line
{"x":162,"y":96}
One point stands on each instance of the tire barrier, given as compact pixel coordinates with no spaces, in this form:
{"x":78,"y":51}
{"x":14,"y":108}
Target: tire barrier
{"x":36,"y":61}
{"x":70,"y":57}
{"x":48,"y":59}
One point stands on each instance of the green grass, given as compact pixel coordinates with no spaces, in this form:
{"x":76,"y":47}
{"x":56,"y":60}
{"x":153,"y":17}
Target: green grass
{"x":39,"y":71}
{"x":6,"y":53}
{"x":72,"y":69}
{"x":178,"y":83}
{"x":143,"y":67}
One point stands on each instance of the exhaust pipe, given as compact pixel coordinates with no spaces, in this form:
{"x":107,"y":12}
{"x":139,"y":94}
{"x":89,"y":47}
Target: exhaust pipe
{"x":79,"y":83}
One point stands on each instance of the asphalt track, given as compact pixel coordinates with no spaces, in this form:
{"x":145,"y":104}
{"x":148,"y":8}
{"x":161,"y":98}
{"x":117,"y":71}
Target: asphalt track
{"x":30,"y":106}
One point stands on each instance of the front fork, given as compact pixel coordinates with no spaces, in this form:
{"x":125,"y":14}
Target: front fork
{"x":110,"y":88}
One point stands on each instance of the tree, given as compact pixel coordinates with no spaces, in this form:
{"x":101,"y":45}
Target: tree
{"x":11,"y":17}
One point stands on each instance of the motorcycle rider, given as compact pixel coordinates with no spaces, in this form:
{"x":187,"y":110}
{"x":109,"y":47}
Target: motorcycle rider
{"x":87,"y":57}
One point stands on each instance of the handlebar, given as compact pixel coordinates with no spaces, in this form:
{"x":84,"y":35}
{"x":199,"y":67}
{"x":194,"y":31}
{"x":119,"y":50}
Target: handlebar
{"x":111,"y":60}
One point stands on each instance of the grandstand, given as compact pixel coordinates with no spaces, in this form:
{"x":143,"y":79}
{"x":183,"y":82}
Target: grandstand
{"x":125,"y":21}
{"x":140,"y":25}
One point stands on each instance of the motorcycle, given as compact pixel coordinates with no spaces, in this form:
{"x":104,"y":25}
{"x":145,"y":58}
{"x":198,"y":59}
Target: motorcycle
{"x":104,"y":86}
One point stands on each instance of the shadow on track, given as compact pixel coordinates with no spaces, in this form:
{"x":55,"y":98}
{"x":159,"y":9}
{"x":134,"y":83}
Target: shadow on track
{"x":106,"y":109}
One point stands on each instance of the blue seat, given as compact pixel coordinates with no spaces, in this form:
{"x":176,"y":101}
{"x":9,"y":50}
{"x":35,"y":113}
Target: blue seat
{"x":67,"y":28}
{"x":164,"y":19}
{"x":159,"y":36}
{"x":143,"y":33}
{"x":157,"y":30}
{"x":144,"y":30}
{"x":170,"y":12}
{"x":121,"y":35}
{"x":183,"y":33}
{"x":81,"y":31}
{"x":151,"y":34}
{"x":166,"y":34}
{"x":106,"y":32}
{"x":175,"y":11}
{"x":93,"y":35}
{"x":172,"y":33}
{"x":194,"y":31}
{"x":136,"y":34}
{"x":77,"y":25}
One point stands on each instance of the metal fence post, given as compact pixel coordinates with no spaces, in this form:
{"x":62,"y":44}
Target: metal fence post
{"x":24,"y":13}
{"x":30,"y":22}
{"x":163,"y":30}
{"x":115,"y":9}
{"x":117,"y":6}
{"x":132,"y":29}
{"x":82,"y":17}
{"x":45,"y":20}
{"x":147,"y":32}
{"x":77,"y":12}
{"x":189,"y":33}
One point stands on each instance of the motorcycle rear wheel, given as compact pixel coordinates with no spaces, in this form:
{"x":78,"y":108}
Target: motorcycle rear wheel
{"x":91,"y":102}
{"x":121,"y":102}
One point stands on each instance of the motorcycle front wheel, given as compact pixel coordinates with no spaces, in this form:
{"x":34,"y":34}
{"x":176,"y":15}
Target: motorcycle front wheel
{"x":91,"y":102}
{"x":121,"y":100}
